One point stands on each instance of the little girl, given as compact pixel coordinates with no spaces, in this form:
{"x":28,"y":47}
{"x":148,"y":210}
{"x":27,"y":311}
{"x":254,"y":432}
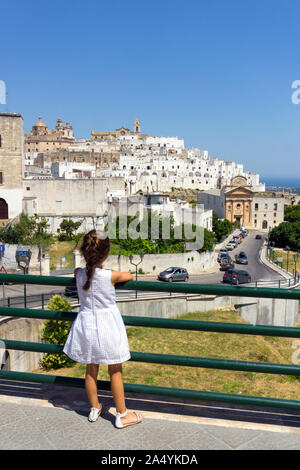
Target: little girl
{"x":98,"y":334}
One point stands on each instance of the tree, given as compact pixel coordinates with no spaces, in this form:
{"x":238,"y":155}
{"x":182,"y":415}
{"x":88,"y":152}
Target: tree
{"x":156,"y":234}
{"x":209,"y":241}
{"x":68,"y":227}
{"x":56,"y":332}
{"x":292,"y":213}
{"x":221,"y":228}
{"x":286,"y":233}
{"x":27,"y":231}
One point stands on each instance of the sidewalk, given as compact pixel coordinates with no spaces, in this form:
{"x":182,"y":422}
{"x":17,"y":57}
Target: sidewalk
{"x":44,"y":417}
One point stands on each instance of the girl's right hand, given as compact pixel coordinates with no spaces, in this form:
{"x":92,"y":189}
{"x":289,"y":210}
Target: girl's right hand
{"x":116,"y":277}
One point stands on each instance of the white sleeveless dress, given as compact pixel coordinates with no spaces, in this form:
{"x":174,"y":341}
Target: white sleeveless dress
{"x":98,"y":334}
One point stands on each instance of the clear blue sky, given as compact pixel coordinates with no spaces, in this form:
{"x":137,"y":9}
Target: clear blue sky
{"x":217,"y":74}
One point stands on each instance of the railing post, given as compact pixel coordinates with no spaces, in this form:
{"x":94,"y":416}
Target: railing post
{"x":43,"y":302}
{"x":8,"y":301}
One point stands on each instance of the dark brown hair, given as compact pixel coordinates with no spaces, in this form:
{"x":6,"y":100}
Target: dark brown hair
{"x":95,"y":251}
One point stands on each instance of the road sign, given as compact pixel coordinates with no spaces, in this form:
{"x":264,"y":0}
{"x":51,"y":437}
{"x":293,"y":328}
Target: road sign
{"x":3,"y":269}
{"x":2,"y":247}
{"x":21,"y":253}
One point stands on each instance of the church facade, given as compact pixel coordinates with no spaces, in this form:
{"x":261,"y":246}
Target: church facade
{"x":42,"y":139}
{"x":253,"y":210}
{"x":111,"y":135}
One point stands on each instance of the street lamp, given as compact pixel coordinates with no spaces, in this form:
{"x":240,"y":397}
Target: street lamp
{"x":23,"y":256}
{"x":136,"y":265}
{"x":273,"y":252}
{"x":288,"y":250}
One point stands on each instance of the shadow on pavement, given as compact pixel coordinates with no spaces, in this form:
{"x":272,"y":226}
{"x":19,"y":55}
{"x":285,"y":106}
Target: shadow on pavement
{"x":74,"y":399}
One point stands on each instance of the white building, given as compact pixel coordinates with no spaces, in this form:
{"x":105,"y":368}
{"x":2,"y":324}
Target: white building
{"x":73,"y":170}
{"x":179,"y":210}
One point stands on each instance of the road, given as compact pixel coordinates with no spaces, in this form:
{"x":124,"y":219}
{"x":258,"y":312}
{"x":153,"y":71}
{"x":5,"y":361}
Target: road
{"x":258,"y":271}
{"x":250,"y":245}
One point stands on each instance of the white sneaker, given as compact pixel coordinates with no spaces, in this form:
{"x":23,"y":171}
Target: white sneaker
{"x":94,"y":414}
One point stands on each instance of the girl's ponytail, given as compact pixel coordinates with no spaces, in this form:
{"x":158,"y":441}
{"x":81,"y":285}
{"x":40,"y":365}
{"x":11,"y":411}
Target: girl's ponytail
{"x":94,"y":250}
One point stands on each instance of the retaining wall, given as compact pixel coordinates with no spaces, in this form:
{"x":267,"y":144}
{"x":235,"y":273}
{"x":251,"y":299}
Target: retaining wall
{"x":193,"y":261}
{"x":257,"y":311}
{"x":21,"y":329}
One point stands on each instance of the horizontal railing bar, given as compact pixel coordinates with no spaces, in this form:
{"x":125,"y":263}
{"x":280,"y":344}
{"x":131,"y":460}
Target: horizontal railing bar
{"x":30,"y":346}
{"x":188,"y":288}
{"x":185,"y":361}
{"x":153,"y":322}
{"x":210,"y":326}
{"x":213,"y":363}
{"x":155,"y":390}
{"x":38,"y":313}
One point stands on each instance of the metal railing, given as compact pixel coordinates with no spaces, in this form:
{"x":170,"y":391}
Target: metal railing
{"x":280,"y":283}
{"x":28,"y":300}
{"x":202,"y":362}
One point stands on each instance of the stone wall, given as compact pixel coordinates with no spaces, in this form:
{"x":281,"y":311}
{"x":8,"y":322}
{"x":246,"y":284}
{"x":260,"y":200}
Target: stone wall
{"x":256,"y":311}
{"x":70,"y":198}
{"x":11,"y":161}
{"x":21,"y":329}
{"x":193,"y":261}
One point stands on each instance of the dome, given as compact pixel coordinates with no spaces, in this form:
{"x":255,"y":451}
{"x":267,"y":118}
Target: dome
{"x":40,"y":123}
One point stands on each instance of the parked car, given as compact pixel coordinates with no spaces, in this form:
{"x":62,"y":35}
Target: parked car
{"x":232,"y":242}
{"x":241,"y":258}
{"x":222,"y":254}
{"x":237,"y":238}
{"x":258,"y":237}
{"x":173,"y":274}
{"x":236,"y":276}
{"x":226,"y":263}
{"x":71,"y":291}
{"x":230,"y":246}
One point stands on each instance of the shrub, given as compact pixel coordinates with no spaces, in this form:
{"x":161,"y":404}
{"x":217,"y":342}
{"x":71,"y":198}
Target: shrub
{"x":56,"y":332}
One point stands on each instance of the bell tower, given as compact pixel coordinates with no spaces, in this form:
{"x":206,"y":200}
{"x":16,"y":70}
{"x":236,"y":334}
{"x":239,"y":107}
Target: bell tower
{"x":137,"y":126}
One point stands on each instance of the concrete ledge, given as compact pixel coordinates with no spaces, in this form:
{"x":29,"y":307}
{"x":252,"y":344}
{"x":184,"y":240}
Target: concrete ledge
{"x":153,"y":407}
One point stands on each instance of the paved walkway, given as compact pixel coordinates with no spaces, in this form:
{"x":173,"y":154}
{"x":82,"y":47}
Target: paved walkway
{"x":46,"y":417}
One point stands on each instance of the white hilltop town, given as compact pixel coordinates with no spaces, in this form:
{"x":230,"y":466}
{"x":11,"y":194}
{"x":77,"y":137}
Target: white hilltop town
{"x":56,"y":176}
{"x":51,"y":173}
